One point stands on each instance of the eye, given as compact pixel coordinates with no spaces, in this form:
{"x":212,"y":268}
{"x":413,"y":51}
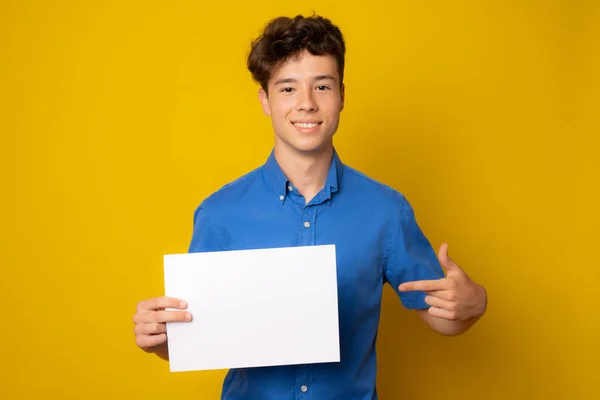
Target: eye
{"x":287,"y":90}
{"x":323,"y":87}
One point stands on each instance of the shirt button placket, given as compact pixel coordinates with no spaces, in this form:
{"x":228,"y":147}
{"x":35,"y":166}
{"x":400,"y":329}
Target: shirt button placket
{"x":302,"y":390}
{"x":306,"y":234}
{"x":306,"y":237}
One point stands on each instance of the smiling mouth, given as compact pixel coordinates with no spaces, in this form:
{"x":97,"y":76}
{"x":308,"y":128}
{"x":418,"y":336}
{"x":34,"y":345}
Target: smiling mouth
{"x":307,"y":125}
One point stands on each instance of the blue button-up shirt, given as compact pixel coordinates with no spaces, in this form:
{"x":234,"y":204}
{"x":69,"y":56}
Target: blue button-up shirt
{"x":377,"y":240}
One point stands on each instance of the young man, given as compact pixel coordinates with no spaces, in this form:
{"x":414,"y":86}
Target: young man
{"x":304,"y":195}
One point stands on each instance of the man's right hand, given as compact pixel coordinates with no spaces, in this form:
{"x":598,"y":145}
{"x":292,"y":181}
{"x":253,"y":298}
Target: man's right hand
{"x":150,"y":322}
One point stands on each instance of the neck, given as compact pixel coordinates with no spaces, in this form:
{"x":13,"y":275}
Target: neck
{"x":307,"y":171}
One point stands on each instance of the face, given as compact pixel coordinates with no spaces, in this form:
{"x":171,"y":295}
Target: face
{"x":304,"y":102}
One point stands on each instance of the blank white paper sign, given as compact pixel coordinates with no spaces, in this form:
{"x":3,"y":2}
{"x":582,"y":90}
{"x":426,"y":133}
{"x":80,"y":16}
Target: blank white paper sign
{"x":253,"y":308}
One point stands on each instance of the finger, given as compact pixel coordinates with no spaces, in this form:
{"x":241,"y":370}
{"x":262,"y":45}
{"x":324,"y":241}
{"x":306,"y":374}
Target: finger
{"x":443,"y":294}
{"x":439,"y":303}
{"x":158,"y":303}
{"x":426,"y":285}
{"x":445,"y":259}
{"x":441,"y":313}
{"x":162,"y":316}
{"x":148,"y":341}
{"x":152,"y":328}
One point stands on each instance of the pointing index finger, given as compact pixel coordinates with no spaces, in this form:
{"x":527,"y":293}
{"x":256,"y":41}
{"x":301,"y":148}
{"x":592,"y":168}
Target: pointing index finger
{"x":425,"y":285}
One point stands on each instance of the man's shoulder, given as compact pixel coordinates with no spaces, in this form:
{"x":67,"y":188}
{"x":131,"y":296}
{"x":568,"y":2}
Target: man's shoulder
{"x":373,"y":189}
{"x":231,"y":193}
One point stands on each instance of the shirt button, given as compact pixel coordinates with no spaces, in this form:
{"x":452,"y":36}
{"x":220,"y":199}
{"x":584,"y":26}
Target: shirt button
{"x":307,"y":224}
{"x":281,"y":197}
{"x":304,"y":388}
{"x":290,"y":188}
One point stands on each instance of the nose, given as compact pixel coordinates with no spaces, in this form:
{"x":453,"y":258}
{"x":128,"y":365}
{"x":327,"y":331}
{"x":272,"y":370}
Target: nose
{"x":306,"y":101}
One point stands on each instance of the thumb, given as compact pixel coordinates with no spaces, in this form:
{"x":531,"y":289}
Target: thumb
{"x":445,"y":259}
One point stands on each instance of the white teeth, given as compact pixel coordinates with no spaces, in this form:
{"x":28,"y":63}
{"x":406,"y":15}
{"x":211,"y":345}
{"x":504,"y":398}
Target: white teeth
{"x":305,"y":126}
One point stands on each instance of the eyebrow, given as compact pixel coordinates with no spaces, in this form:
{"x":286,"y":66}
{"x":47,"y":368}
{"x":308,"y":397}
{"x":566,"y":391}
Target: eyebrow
{"x":292,"y":80}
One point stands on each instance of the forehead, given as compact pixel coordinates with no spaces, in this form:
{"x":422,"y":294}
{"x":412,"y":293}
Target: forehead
{"x":307,"y":66}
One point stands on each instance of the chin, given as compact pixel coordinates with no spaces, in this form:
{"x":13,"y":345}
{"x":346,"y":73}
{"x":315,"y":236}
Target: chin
{"x":311,"y":147}
{"x":304,"y":143}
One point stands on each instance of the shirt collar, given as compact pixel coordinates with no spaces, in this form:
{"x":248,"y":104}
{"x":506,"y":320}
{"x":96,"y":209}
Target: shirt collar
{"x":276,"y":178}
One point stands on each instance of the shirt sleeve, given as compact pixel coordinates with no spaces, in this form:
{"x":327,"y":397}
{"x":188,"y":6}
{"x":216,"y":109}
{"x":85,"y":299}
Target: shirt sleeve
{"x":206,"y":235}
{"x":409,"y":256}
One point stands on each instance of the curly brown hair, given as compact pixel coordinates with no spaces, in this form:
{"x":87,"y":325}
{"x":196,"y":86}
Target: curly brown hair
{"x":285,"y":38}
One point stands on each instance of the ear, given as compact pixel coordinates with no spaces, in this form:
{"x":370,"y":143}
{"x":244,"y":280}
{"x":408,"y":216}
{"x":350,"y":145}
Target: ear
{"x":343,"y":94}
{"x":264,"y":102}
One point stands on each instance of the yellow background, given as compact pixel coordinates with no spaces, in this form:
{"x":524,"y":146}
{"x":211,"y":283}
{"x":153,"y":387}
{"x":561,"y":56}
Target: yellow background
{"x":118,"y":117}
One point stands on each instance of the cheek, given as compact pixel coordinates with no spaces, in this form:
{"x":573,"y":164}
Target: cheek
{"x":282,"y":108}
{"x":332,"y":102}
{"x":333,"y":108}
